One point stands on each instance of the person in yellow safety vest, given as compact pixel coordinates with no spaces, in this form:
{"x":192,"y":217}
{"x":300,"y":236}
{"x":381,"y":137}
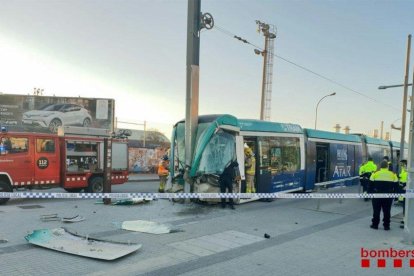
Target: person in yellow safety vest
{"x":365,"y":172}
{"x":250,"y":169}
{"x":163,"y":172}
{"x":403,"y":182}
{"x":383,"y":181}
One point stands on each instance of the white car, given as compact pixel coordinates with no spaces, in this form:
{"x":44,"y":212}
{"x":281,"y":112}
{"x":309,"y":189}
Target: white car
{"x":55,"y":115}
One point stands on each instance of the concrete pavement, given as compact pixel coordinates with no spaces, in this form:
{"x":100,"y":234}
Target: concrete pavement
{"x":215,"y":241}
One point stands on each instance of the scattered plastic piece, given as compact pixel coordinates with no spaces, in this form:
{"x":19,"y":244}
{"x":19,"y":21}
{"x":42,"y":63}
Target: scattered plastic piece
{"x":60,"y":239}
{"x":145,"y":226}
{"x":76,"y":218}
{"x":49,"y":217}
{"x":55,"y":217}
{"x":132,"y":201}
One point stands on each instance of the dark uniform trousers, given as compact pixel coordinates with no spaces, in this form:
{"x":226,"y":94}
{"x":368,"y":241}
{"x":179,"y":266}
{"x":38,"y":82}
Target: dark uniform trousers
{"x":365,"y":181}
{"x":226,"y":181}
{"x":384,"y":204}
{"x":226,"y":184}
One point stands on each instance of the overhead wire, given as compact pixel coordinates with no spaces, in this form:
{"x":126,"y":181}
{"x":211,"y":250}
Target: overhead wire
{"x":229,"y":33}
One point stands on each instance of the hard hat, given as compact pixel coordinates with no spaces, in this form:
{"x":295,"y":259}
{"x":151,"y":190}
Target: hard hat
{"x":248,"y":151}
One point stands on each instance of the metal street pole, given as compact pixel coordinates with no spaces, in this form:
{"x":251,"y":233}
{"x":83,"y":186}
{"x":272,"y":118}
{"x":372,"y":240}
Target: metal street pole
{"x":404,"y":111}
{"x":392,"y":86}
{"x":409,"y":202}
{"x":193,"y":62}
{"x":316,"y":116}
{"x":263,"y":101}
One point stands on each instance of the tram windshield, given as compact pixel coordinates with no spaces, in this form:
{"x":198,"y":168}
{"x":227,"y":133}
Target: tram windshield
{"x":218,"y":153}
{"x":179,"y":144}
{"x":215,"y":151}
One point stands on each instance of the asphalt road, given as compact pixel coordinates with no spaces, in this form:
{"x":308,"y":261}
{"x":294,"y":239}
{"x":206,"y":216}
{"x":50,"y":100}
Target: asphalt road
{"x":301,"y":240}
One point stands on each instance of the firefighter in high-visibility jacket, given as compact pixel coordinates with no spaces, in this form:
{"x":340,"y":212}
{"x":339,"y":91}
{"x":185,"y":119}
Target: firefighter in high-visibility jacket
{"x":403,"y":183}
{"x":383,"y":181}
{"x":365,"y":172}
{"x":163,"y":172}
{"x":250,"y":169}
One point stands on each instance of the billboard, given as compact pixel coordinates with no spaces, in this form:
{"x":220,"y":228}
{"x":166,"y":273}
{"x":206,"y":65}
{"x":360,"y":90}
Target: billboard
{"x":34,"y":113}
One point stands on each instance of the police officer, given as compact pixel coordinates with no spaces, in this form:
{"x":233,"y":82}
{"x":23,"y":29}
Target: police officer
{"x":365,"y":172}
{"x":226,"y":180}
{"x":382,"y":181}
{"x":403,"y":183}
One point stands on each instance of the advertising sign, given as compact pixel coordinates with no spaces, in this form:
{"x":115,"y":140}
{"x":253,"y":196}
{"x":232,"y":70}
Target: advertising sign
{"x":46,"y":114}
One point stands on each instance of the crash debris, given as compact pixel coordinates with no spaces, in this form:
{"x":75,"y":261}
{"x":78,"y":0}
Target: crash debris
{"x":55,"y":217}
{"x":62,"y":240}
{"x":129,"y":201}
{"x":132,"y":201}
{"x":145,"y":226}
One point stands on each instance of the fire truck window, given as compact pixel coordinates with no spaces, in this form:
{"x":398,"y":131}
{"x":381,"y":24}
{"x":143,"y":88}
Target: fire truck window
{"x":5,"y":145}
{"x":14,"y":145}
{"x":45,"y":145}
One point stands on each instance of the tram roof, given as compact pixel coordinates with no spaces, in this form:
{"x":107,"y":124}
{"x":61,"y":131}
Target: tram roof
{"x":376,"y":141}
{"x":312,"y":133}
{"x":398,"y":145}
{"x":265,"y":126}
{"x":221,"y":119}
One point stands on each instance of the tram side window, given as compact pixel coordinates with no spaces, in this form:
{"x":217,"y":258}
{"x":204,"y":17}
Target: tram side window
{"x":12,"y":145}
{"x":284,"y":154}
{"x":264,"y":152}
{"x":45,"y":145}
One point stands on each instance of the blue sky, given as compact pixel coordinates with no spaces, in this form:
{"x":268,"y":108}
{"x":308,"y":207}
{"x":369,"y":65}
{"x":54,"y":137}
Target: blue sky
{"x":135,"y":52}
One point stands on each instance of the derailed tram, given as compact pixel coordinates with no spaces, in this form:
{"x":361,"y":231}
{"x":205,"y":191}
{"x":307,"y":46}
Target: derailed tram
{"x":288,"y":157}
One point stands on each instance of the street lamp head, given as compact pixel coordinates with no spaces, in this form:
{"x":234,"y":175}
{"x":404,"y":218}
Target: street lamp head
{"x":316,"y":110}
{"x":382,"y":87}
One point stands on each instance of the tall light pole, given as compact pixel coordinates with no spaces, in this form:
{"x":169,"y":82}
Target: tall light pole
{"x":269,"y":33}
{"x":316,"y":112}
{"x":404,"y":109}
{"x":409,"y":202}
{"x":195,"y":22}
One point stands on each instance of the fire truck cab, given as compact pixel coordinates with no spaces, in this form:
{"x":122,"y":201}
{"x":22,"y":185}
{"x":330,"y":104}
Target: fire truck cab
{"x":72,"y":159}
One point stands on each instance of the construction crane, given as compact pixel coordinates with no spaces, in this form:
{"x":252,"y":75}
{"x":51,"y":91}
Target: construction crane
{"x":269,"y":32}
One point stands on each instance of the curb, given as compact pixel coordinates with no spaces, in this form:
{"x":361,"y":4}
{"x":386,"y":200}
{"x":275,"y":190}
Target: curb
{"x":143,"y":180}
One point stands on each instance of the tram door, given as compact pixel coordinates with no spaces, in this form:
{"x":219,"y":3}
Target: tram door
{"x":322,"y":162}
{"x":251,"y":142}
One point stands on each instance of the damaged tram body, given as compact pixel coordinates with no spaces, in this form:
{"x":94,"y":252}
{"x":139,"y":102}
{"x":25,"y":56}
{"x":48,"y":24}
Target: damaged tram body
{"x":288,"y":157}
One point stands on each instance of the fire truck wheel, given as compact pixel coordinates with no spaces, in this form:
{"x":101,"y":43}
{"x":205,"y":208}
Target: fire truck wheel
{"x":96,"y":185}
{"x":54,"y":124}
{"x":86,"y":122}
{"x":73,"y":190}
{"x":5,"y":188}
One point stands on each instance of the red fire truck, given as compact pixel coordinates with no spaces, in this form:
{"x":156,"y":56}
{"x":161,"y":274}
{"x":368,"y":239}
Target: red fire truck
{"x":72,"y":159}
